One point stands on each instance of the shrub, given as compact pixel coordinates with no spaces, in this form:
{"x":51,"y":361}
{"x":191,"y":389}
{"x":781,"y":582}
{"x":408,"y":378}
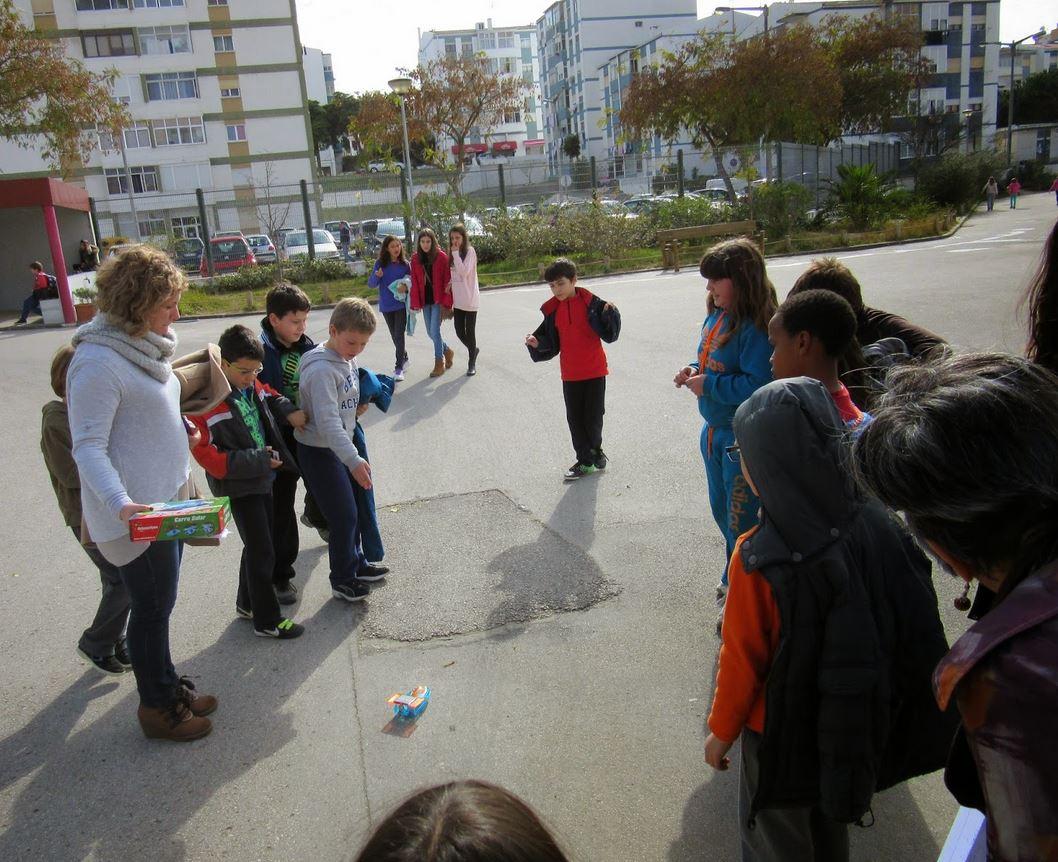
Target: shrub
{"x":957,"y":179}
{"x":304,"y":271}
{"x":689,"y":212}
{"x":860,"y":195}
{"x":781,"y":207}
{"x":1035,"y":176}
{"x":247,"y":278}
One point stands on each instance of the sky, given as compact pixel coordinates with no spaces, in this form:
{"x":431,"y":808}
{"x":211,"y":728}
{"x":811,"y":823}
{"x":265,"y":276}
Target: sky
{"x":369,"y":39}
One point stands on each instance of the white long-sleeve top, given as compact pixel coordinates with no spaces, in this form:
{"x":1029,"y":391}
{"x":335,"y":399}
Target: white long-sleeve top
{"x":465,"y":293}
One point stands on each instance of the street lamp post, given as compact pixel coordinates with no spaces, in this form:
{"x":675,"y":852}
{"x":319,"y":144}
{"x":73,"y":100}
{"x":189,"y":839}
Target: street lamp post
{"x":403,"y":86}
{"x":1010,"y":96}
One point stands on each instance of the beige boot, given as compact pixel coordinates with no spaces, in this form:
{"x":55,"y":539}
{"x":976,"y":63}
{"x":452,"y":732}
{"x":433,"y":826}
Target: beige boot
{"x":450,"y":355}
{"x":175,"y":723}
{"x":438,"y":368}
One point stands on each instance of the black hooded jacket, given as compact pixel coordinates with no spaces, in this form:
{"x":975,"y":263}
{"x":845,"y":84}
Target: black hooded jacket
{"x":849,"y":707}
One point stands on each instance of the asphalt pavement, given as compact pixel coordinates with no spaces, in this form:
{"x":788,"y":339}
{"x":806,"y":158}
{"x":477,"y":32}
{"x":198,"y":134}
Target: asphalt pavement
{"x":566,"y":629}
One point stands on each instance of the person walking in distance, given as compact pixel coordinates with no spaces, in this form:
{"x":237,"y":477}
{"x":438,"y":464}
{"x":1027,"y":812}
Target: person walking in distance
{"x":465,"y":292}
{"x":392,"y":267}
{"x":1014,"y":189}
{"x":991,"y":190}
{"x":431,"y":293}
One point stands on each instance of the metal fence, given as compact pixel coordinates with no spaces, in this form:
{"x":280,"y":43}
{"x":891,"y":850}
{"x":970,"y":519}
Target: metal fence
{"x":482,"y":185}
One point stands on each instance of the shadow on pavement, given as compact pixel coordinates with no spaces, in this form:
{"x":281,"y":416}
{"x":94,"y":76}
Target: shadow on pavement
{"x":86,"y":798}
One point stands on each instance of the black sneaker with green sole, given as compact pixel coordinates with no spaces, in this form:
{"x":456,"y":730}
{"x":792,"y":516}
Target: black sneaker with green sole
{"x":578,"y":471}
{"x":284,"y":630}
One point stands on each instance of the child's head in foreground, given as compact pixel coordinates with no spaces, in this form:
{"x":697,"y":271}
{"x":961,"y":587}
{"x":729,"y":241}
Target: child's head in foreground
{"x":241,"y":354}
{"x":829,"y":273}
{"x":287,"y":307}
{"x":809,"y":333}
{"x":463,"y":821}
{"x":561,"y":277}
{"x":60,"y":364}
{"x":351,"y":327}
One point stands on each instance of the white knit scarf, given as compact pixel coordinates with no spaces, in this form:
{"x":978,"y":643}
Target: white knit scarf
{"x":151,"y":351}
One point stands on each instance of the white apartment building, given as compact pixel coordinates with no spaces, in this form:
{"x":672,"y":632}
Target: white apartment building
{"x":319,"y":86}
{"x":509,"y":51}
{"x":1031,"y":57}
{"x":217,"y":94}
{"x":576,"y":38}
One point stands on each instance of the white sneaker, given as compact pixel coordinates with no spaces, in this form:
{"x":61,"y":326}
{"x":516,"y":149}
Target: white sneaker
{"x":398,"y":374}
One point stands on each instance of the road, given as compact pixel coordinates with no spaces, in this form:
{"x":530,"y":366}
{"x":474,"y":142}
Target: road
{"x":566,"y":630}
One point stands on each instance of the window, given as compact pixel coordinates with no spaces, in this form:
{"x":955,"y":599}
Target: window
{"x":121,"y":89}
{"x":152,"y":224}
{"x":505,"y":40}
{"x":157,"y":4}
{"x":165,"y":40}
{"x":639,"y":24}
{"x":101,"y":5}
{"x":186,"y":176}
{"x":109,"y":43}
{"x":230,"y":92}
{"x":107,"y":142}
{"x":222,"y":44}
{"x":137,"y":136}
{"x":236,"y":132}
{"x":486,"y":40}
{"x":512,"y":116}
{"x":144,"y":179}
{"x":173,"y":131}
{"x":166,"y":86}
{"x":185,"y":227}
{"x":450,"y":48}
{"x":217,"y":3}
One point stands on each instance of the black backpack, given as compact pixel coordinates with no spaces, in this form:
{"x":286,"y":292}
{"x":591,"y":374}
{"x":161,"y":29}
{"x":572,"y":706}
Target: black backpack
{"x":52,"y":290}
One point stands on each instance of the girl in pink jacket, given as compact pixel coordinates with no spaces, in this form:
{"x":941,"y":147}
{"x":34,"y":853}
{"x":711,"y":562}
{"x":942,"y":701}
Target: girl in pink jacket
{"x":465,"y":294}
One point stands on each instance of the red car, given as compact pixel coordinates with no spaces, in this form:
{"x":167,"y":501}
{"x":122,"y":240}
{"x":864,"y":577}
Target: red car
{"x":229,"y":254}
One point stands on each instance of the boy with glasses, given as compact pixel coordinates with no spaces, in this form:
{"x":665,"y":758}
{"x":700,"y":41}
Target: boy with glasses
{"x":241,"y":450}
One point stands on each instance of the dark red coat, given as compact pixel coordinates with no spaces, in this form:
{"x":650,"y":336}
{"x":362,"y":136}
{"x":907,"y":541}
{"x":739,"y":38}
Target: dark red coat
{"x":442,"y":279}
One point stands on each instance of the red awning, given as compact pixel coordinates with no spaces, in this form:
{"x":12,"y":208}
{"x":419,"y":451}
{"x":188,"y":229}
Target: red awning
{"x":504,"y":146}
{"x":470,"y":149}
{"x":536,"y":142}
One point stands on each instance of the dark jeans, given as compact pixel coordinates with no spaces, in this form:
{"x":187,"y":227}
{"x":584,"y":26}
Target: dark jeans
{"x":585,"y":406}
{"x":108,"y":627}
{"x":331,"y":484}
{"x":253,"y":519}
{"x":366,"y":517}
{"x":465,"y":323}
{"x":30,"y":305}
{"x":151,"y":580}
{"x":804,"y":834}
{"x":397,"y":323}
{"x":286,"y":541}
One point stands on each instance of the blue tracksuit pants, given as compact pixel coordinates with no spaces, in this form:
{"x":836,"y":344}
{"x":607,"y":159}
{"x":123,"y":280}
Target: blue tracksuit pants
{"x":733,"y":504}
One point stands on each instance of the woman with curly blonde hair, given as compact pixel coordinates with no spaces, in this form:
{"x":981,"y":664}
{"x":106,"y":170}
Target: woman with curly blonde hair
{"x":131,"y":449}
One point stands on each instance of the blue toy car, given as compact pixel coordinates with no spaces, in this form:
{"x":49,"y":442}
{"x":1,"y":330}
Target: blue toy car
{"x":412,"y":703}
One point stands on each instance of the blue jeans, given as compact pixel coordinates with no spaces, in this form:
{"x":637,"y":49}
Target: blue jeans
{"x":733,"y":504}
{"x":331,"y":484}
{"x":30,"y":305}
{"x":151,"y":581}
{"x":431,"y":314}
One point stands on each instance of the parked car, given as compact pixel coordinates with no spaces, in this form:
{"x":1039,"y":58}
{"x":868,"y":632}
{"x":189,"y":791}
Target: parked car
{"x":223,"y":233}
{"x":188,"y":253}
{"x":296,"y":244}
{"x":389,"y":167}
{"x":390,"y":226}
{"x":263,"y":248}
{"x":230,"y":253}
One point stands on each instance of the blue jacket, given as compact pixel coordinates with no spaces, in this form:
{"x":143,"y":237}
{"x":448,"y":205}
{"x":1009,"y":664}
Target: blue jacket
{"x":272,"y":373}
{"x":390,"y":272}
{"x":735,"y":370}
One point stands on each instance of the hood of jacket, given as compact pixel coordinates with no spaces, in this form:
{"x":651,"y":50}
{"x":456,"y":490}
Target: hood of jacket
{"x":202,"y":382}
{"x":795,"y":449}
{"x":268,"y":336}
{"x":322,"y":353}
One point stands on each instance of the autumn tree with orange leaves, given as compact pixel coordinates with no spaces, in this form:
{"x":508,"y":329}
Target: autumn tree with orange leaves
{"x":452,"y":98}
{"x":796,"y":83}
{"x":48,"y":100}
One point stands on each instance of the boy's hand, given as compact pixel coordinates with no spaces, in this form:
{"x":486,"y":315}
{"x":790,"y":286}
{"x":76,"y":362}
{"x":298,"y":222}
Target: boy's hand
{"x":361,"y":409}
{"x":362,"y":474}
{"x":194,"y":438}
{"x":530,"y":341}
{"x":696,"y":384}
{"x":298,"y":419}
{"x":273,"y":459}
{"x":681,"y":376}
{"x":716,"y":752}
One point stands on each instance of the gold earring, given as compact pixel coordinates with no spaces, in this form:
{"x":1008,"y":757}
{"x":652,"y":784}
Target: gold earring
{"x":962,"y":603}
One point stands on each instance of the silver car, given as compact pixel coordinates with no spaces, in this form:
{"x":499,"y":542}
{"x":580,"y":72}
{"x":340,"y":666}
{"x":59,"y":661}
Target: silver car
{"x":263,"y":248}
{"x":296,"y":244}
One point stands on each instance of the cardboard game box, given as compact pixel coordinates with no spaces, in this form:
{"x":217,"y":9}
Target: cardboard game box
{"x":182,"y":520}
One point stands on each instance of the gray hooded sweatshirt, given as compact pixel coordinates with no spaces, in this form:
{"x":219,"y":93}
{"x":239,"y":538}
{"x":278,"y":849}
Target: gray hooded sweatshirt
{"x":329,"y":392}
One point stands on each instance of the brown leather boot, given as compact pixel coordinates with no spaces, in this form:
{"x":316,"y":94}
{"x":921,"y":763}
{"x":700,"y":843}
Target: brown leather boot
{"x":174,"y":722}
{"x":450,"y":355}
{"x":199,"y":704}
{"x":438,"y":368}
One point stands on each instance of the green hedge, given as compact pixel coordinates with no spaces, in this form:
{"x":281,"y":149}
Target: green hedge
{"x":264,"y":276}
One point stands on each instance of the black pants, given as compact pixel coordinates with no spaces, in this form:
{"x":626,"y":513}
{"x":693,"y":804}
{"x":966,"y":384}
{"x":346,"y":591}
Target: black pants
{"x":330,"y":481}
{"x":465,"y":323}
{"x":397,"y":322}
{"x":253,"y":519}
{"x":286,"y":542}
{"x":108,"y":625}
{"x":585,"y":406}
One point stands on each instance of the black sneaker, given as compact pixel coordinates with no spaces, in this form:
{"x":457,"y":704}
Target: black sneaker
{"x":287,"y":593}
{"x":245,"y":613}
{"x":372,"y":572}
{"x":600,"y":460}
{"x":354,"y":591}
{"x":324,"y":532}
{"x":577,"y":471}
{"x":103,"y":663}
{"x":121,"y":653}
{"x":284,"y":630}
